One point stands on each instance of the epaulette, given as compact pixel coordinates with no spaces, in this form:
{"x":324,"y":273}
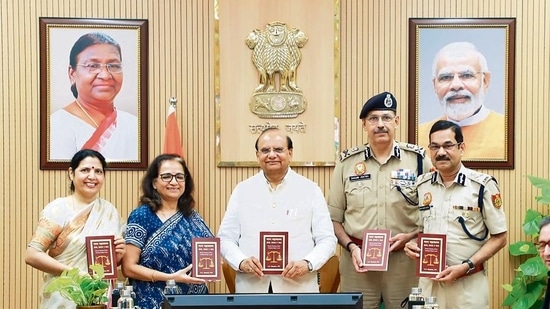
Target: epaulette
{"x":424,"y":178}
{"x":414,"y":148}
{"x":481,"y":178}
{"x":351,"y":151}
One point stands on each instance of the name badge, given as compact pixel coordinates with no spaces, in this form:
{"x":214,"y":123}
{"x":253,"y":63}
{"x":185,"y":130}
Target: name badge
{"x":359,"y":177}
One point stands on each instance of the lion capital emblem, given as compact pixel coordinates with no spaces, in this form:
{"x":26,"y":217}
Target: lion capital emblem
{"x":276,"y":55}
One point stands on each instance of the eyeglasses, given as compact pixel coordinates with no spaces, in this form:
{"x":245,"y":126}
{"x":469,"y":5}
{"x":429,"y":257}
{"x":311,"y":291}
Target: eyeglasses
{"x":446,"y":147}
{"x":96,"y":68}
{"x":376,"y":119}
{"x":167,"y":177}
{"x":541,"y":246}
{"x":266,"y":151}
{"x":464,"y":76}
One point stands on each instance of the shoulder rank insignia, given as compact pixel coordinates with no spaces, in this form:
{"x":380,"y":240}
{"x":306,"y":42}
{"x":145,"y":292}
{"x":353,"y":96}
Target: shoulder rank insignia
{"x":480,"y":178}
{"x":413,"y":148}
{"x":350,"y":152}
{"x":425,"y":177}
{"x":497,"y":200}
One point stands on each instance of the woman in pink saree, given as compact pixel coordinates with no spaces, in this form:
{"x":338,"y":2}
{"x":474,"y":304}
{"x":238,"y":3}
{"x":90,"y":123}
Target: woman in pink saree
{"x":59,"y":240}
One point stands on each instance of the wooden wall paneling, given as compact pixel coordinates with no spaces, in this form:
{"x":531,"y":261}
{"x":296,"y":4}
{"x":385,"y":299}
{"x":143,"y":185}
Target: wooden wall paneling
{"x":373,"y":51}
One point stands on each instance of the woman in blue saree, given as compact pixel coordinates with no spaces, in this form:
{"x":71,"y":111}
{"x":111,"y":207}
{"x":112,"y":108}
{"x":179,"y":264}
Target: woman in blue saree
{"x":159,"y":233}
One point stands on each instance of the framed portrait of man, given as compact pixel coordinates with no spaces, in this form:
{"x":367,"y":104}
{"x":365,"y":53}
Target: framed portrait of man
{"x":93,"y":91}
{"x":462,"y":70}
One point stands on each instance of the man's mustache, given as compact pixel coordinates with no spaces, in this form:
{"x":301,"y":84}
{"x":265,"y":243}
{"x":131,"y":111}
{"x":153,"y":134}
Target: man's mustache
{"x":442,"y":158}
{"x":461,"y":93}
{"x":380,"y":131}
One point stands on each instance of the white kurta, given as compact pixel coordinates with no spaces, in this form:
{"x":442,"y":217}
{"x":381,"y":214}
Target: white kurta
{"x":298,"y":206}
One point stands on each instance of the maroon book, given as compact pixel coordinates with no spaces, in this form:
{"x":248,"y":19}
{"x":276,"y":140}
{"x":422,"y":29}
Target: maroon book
{"x":101,"y":250}
{"x":206,"y":258}
{"x":433,"y":248}
{"x":273,"y":252}
{"x":375,"y":252}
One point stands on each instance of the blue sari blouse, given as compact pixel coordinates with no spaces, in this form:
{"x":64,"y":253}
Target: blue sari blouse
{"x":165,"y":247}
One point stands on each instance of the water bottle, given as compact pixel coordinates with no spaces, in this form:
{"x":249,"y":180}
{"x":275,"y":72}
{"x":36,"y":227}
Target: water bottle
{"x":115,"y":295}
{"x":125,"y":301}
{"x":431,"y":303}
{"x":415,"y":298}
{"x":132,"y":293}
{"x":171,"y":288}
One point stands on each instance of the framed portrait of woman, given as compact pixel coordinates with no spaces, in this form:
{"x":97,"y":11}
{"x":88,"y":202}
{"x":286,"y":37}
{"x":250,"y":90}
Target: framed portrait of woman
{"x":93,"y":91}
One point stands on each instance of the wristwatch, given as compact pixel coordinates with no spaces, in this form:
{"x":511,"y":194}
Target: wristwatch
{"x":309,"y":266}
{"x":470,"y":265}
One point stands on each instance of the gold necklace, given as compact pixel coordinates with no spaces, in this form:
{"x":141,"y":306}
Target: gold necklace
{"x":86,"y":113}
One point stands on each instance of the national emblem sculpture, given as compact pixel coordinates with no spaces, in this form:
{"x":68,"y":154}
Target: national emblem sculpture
{"x":276,"y":55}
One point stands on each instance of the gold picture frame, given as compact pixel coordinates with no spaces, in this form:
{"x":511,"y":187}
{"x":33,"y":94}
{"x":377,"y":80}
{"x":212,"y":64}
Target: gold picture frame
{"x":494,"y":39}
{"x":57,"y":36}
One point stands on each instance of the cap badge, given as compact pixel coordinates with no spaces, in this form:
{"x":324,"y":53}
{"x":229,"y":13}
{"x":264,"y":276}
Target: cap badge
{"x":388,"y":102}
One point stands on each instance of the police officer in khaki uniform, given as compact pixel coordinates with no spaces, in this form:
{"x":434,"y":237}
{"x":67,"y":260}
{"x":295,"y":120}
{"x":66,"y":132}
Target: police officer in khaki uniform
{"x":373,"y":187}
{"x":467,"y":207}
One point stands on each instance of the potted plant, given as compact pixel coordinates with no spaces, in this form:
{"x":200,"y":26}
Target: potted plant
{"x":529,"y":284}
{"x":84,"y":290}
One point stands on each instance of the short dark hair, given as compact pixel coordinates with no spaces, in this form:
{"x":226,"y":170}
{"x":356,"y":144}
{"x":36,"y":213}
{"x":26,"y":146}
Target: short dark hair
{"x":441,"y":125}
{"x":150,"y":196}
{"x":83,"y":154}
{"x":86,"y":41}
{"x":288,"y":139}
{"x":544,"y":222}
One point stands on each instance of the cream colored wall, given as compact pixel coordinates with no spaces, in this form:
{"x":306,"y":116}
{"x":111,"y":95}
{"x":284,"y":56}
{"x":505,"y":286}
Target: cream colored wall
{"x":374,"y":50}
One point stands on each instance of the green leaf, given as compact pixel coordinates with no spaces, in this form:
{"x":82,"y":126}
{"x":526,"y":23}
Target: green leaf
{"x":537,"y":304}
{"x":540,"y":183}
{"x":522,"y":248}
{"x":544,"y":198}
{"x":521,"y":303}
{"x":98,"y":269}
{"x":526,"y":289}
{"x":534,"y":291}
{"x":531,"y":222}
{"x":544,"y":185}
{"x":80,"y":288}
{"x":507,"y":287}
{"x":533,"y":267}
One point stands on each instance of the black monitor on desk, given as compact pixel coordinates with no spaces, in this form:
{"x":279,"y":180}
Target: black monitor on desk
{"x":266,"y":301}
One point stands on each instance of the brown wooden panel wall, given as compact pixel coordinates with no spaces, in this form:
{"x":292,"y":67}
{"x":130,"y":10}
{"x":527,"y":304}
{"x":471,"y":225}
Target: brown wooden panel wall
{"x":374,"y":50}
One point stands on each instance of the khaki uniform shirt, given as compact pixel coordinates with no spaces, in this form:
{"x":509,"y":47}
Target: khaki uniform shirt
{"x":442,"y":207}
{"x":365,"y":194}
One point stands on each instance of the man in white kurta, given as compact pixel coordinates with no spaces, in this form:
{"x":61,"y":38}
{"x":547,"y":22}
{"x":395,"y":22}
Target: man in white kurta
{"x":274,"y":200}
